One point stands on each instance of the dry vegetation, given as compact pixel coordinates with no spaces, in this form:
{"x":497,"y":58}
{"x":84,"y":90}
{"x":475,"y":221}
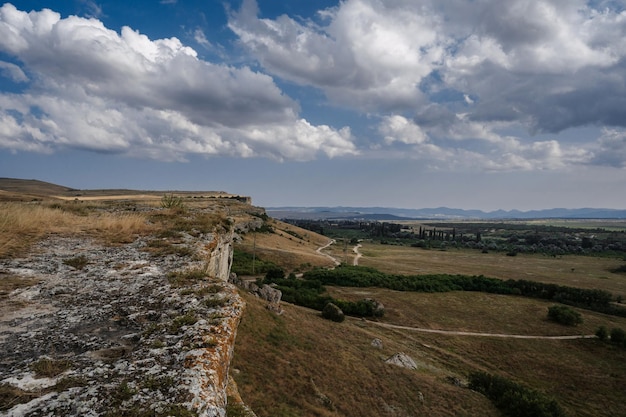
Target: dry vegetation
{"x":298,"y":364}
{"x":23,"y":224}
{"x":289,"y":246}
{"x":570,"y":270}
{"x":301,"y":365}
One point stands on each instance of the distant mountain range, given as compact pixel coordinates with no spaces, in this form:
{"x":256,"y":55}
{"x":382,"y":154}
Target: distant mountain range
{"x":439,"y":213}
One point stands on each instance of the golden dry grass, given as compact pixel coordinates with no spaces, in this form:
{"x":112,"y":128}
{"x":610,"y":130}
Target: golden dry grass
{"x":299,"y":364}
{"x":278,"y":357}
{"x":475,"y":312}
{"x":23,"y":224}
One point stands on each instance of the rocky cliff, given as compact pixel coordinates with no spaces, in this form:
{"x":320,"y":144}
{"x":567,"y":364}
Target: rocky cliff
{"x":117,"y":331}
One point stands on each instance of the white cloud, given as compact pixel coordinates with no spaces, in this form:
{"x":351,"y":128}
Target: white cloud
{"x":370,"y":55}
{"x":99,"y":90}
{"x":475,"y":146}
{"x":13,"y":72}
{"x":544,"y":66}
{"x":610,"y":149}
{"x":398,"y":129}
{"x":200,"y":37}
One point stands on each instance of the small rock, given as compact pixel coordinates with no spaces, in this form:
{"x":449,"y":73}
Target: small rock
{"x":377,"y":343}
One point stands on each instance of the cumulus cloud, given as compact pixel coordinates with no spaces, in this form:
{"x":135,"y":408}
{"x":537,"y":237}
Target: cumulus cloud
{"x":101,"y":90}
{"x":370,"y":55}
{"x":610,"y":149}
{"x":472,"y":145}
{"x":13,"y":72}
{"x":543,"y":66}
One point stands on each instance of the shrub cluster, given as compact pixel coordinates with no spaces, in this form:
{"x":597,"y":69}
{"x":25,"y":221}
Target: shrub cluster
{"x":312,"y":294}
{"x":358,"y":276}
{"x":513,"y":399}
{"x":564,"y":315}
{"x":242,"y":264}
{"x":616,"y":335}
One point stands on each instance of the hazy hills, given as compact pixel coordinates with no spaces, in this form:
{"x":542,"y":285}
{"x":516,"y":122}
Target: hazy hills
{"x":439,"y":213}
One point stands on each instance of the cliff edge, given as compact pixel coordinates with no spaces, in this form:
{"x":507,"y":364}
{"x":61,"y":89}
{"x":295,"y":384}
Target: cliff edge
{"x":141,"y":328}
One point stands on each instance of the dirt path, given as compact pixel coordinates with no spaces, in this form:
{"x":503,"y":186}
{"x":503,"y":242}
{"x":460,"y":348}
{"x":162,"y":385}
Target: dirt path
{"x":355,"y":249}
{"x":332,"y":258}
{"x":459,"y":333}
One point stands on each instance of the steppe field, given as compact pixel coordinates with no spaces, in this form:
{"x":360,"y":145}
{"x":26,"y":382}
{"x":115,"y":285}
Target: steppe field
{"x":312,"y":367}
{"x":299,"y":364}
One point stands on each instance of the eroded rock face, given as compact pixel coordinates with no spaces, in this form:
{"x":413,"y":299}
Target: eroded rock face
{"x":127,"y":337}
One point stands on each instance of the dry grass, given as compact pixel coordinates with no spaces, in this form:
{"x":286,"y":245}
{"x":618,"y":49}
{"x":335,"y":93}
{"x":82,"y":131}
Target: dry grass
{"x":10,"y":282}
{"x":475,"y":312}
{"x":289,"y":246}
{"x":283,"y":355}
{"x":570,"y":270}
{"x":299,"y":364}
{"x":278,"y":357}
{"x":22,"y":224}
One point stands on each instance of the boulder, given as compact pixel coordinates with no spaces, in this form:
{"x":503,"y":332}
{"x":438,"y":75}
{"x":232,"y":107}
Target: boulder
{"x":402,"y":360}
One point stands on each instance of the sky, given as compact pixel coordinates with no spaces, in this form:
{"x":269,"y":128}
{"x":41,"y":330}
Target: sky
{"x":475,"y":104}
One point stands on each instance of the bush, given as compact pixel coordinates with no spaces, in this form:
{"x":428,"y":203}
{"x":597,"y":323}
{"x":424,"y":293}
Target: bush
{"x":334,"y":313}
{"x":602,"y":333}
{"x":564,"y":315}
{"x":513,"y":399}
{"x":618,"y":336}
{"x":171,"y":201}
{"x":274,"y":273}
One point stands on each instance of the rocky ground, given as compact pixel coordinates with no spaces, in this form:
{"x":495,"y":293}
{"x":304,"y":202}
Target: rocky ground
{"x":114,"y":331}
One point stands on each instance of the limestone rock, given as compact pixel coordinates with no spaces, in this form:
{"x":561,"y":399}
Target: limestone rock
{"x":402,"y":360}
{"x":377,"y":343}
{"x":270,"y":294}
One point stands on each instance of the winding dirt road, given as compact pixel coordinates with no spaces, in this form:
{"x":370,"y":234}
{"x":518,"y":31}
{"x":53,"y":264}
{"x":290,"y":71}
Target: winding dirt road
{"x":459,"y":333}
{"x":332,"y":258}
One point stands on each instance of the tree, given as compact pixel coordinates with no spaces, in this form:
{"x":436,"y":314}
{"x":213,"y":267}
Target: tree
{"x":275,"y":273}
{"x":602,"y":333}
{"x":564,"y":315}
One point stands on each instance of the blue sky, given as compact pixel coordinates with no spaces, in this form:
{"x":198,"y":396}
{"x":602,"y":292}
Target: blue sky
{"x":400,"y":103}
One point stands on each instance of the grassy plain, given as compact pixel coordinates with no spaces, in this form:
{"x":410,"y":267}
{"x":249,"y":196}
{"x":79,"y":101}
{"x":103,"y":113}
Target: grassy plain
{"x":569,"y":270}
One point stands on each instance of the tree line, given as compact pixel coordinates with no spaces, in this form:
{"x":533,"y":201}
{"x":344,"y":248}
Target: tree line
{"x":359,"y":276}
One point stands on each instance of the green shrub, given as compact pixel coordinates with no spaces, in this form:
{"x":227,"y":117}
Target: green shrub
{"x":602,"y":333}
{"x":275,"y":273}
{"x":564,"y":315}
{"x":513,"y":399}
{"x":171,"y":201}
{"x":333,"y":312}
{"x":618,"y":336}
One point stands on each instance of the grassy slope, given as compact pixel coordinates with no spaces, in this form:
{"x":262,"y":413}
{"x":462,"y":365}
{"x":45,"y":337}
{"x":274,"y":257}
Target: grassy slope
{"x":288,"y":363}
{"x":289,"y":246}
{"x":279,"y":356}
